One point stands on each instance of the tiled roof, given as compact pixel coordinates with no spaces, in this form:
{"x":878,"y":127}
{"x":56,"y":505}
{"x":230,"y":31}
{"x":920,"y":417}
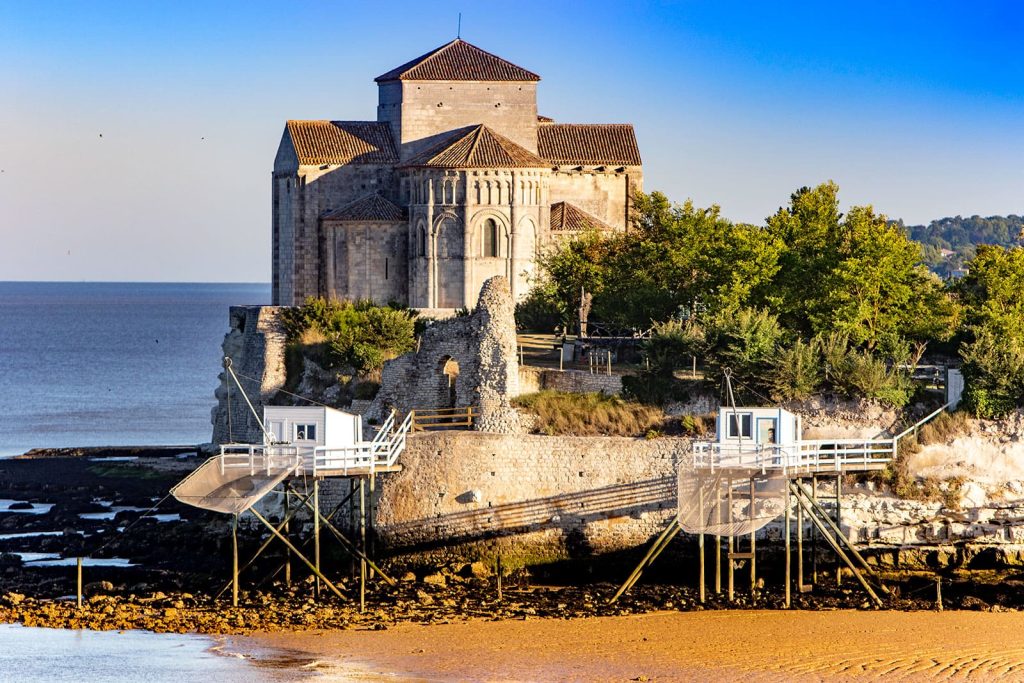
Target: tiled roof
{"x":342,"y":142}
{"x":478,"y":147}
{"x":458,"y":61}
{"x":568,"y":218}
{"x":588,"y":143}
{"x":372,"y":207}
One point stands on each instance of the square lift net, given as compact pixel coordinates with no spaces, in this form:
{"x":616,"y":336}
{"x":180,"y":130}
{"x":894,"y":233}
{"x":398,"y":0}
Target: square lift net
{"x":729,"y":502}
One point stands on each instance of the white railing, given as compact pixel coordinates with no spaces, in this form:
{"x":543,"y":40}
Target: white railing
{"x":258,"y":458}
{"x":381,"y":452}
{"x":817,"y":455}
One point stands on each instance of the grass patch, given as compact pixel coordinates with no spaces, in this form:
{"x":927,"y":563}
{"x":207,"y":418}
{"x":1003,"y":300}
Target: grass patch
{"x":944,"y":428}
{"x":568,"y":414}
{"x":125,"y":471}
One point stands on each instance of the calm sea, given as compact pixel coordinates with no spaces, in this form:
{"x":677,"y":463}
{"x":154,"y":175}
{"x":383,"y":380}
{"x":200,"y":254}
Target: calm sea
{"x":99,"y":364}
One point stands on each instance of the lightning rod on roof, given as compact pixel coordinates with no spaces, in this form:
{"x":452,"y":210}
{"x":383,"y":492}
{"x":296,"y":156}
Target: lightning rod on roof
{"x":458,"y":33}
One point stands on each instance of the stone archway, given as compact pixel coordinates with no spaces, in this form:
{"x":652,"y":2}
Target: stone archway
{"x":448,"y":394}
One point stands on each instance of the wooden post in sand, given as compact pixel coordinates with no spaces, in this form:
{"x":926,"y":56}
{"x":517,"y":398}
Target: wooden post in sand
{"x":288,"y":551}
{"x":79,"y":591}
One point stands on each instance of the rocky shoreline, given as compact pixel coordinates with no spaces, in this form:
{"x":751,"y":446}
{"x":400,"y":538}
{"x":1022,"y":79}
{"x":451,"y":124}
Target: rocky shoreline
{"x":160,"y":564}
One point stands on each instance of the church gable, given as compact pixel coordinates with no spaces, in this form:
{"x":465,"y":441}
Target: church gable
{"x":372,"y":208}
{"x":568,"y":218}
{"x":458,"y":61}
{"x":342,"y":142}
{"x":588,"y":144}
{"x":477,"y":147}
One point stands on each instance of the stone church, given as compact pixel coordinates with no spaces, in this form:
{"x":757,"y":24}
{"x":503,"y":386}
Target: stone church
{"x":459,"y":179}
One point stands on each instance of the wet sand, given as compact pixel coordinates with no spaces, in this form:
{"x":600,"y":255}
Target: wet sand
{"x":762,"y":646}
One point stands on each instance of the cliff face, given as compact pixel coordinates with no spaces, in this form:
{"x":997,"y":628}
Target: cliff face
{"x":255,"y":344}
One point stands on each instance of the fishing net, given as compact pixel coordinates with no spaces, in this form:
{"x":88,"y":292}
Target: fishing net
{"x":729,"y":502}
{"x":232,"y":490}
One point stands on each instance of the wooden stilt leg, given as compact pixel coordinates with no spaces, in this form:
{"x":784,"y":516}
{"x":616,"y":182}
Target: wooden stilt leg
{"x":800,"y":545}
{"x":362,"y":544}
{"x":234,"y":561}
{"x":290,"y":546}
{"x":718,"y":537}
{"x":753,"y":546}
{"x":814,"y":533}
{"x":789,"y":580}
{"x":700,"y":540}
{"x":732,"y":548}
{"x":287,"y":526}
{"x":839,"y":517}
{"x":316,"y":532}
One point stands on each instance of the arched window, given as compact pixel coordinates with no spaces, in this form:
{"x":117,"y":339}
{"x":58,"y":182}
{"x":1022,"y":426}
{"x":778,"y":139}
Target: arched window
{"x":423,"y":241}
{"x":490,"y":238}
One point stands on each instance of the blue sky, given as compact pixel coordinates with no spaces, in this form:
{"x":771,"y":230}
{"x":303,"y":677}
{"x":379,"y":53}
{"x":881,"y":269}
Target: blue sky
{"x":916,"y":108}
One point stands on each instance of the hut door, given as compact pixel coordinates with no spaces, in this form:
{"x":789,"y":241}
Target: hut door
{"x":767,"y":430}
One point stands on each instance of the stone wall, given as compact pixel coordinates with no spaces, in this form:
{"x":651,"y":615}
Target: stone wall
{"x":576,"y":381}
{"x":529,"y":498}
{"x":255,"y":344}
{"x":461,"y":362}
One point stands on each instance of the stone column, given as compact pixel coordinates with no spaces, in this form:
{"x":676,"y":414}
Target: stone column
{"x":467,"y":248}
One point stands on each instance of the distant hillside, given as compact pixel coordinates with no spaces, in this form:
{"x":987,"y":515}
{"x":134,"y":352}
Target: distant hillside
{"x":949,"y":242}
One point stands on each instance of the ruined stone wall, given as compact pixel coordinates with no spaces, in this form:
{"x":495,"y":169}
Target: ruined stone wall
{"x":575,"y":381}
{"x":461,"y":362}
{"x":529,"y":498}
{"x":255,"y":344}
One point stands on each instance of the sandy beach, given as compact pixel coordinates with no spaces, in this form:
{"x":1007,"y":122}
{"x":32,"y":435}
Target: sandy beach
{"x":676,"y":646}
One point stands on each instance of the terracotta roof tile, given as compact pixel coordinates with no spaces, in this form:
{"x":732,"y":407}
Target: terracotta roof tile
{"x":342,"y":142}
{"x":566,"y":217}
{"x":477,"y":147}
{"x":588,"y":143}
{"x":458,"y":61}
{"x":372,"y":207}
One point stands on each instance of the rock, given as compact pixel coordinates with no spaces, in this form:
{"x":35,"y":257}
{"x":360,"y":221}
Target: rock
{"x":97,"y":587}
{"x":435,"y":579}
{"x":20,"y":506}
{"x":407,"y":577}
{"x":424,"y":598}
{"x":14,"y":598}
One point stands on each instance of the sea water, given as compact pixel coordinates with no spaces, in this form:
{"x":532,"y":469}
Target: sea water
{"x":59,"y":656}
{"x":101,"y":364}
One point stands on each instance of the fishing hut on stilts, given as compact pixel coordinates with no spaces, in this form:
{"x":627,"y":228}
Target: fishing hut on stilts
{"x":302,"y":447}
{"x":758,"y":469}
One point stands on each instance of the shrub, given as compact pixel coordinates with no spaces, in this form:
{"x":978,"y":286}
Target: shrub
{"x":672,"y":343}
{"x":993,"y":373}
{"x":796,"y":373}
{"x":653,"y":389}
{"x":538,"y":313}
{"x":867,"y":376}
{"x":359,"y":335}
{"x":559,"y":413}
{"x":746,"y":341}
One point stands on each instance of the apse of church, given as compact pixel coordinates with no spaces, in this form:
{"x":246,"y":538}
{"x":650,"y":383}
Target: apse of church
{"x":458,"y":180}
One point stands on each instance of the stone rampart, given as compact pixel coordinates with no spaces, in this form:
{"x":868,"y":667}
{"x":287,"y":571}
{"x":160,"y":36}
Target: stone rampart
{"x":576,"y":381}
{"x":255,"y":344}
{"x":528,"y":498}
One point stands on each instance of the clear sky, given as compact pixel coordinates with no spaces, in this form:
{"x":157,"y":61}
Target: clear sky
{"x":137,"y":138}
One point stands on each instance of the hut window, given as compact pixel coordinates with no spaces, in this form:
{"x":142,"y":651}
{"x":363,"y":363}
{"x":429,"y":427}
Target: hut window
{"x":385,"y":268}
{"x":739,"y":426}
{"x":490,"y":238}
{"x":305,"y":432}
